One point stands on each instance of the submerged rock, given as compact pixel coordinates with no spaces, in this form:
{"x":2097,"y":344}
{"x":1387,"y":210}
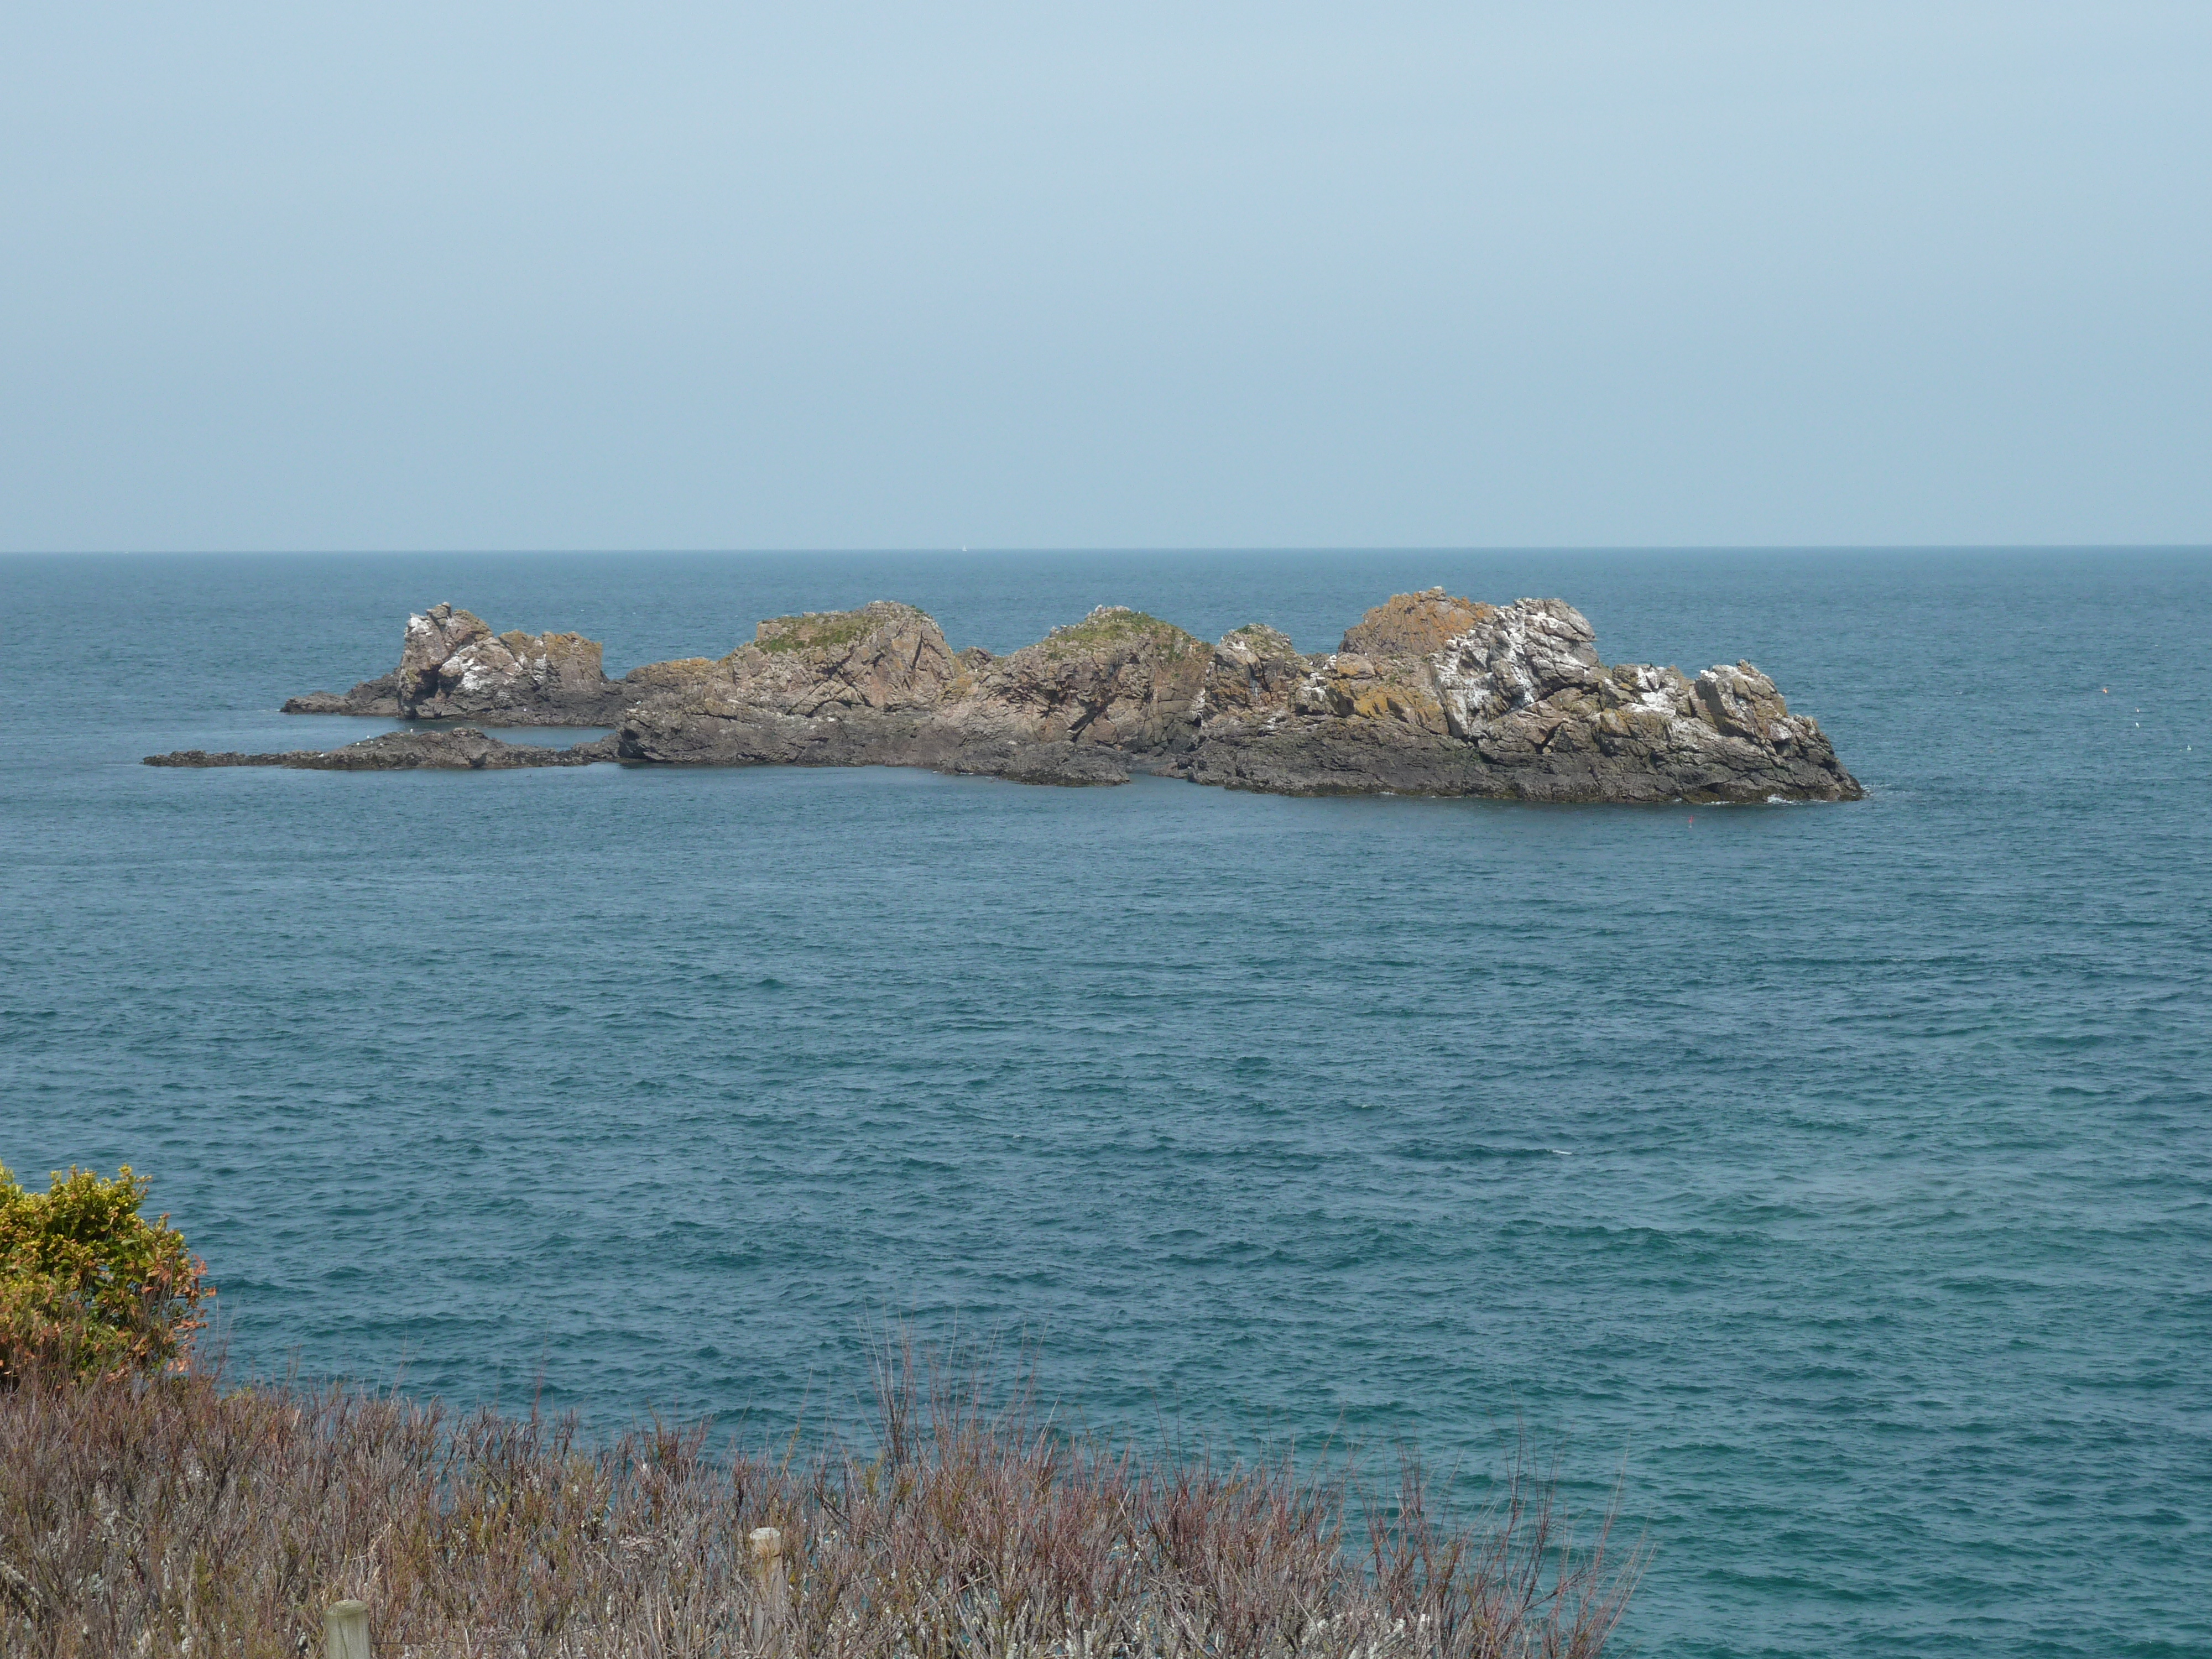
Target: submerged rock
{"x":462,"y":749}
{"x":1428,"y":694}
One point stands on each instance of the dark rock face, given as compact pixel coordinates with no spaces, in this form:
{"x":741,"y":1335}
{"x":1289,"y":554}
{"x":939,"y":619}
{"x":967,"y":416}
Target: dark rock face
{"x":463,"y":748}
{"x":1118,"y":678}
{"x":828,"y":688}
{"x":1429,"y":693}
{"x":379,"y":697}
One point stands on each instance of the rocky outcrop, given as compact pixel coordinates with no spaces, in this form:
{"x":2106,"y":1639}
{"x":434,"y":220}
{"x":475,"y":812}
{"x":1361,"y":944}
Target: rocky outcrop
{"x":880,"y":687}
{"x":1427,"y":694}
{"x":1517,"y":702}
{"x":452,"y":666}
{"x":1083,"y":705}
{"x":462,"y":749}
{"x":840,"y":688}
{"x":1412,"y":625}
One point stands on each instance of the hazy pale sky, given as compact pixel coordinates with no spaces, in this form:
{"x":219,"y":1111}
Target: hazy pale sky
{"x":483,"y":275}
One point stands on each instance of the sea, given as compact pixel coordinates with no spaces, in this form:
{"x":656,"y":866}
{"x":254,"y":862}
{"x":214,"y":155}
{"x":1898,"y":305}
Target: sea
{"x":1834,"y":1183}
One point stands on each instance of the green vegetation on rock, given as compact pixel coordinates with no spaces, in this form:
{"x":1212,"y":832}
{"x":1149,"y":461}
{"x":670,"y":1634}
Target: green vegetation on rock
{"x":818,"y":629}
{"x":1116,"y":625}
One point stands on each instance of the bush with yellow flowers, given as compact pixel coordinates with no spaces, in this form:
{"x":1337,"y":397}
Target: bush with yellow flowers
{"x":89,"y":1286}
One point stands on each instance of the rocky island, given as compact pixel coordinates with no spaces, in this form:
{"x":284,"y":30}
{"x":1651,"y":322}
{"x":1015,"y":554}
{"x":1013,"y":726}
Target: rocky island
{"x":1427,"y":694}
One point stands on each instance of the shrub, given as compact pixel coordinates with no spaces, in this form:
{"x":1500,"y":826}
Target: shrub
{"x":168,"y":1516}
{"x":89,"y":1287}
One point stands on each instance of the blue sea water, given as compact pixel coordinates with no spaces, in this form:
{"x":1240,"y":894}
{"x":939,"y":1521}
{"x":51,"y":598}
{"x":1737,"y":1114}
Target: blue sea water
{"x":1839,"y":1175}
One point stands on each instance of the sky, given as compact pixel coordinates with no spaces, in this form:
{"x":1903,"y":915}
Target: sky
{"x":464,"y":275}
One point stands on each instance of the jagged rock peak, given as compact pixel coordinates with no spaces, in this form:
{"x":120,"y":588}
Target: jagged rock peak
{"x":452,"y":664}
{"x":1740,"y":701}
{"x":1514,"y":657}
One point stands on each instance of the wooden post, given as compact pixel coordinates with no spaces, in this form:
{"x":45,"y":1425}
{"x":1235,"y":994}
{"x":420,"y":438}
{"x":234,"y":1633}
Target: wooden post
{"x":772,"y":1618}
{"x":345,"y":1630}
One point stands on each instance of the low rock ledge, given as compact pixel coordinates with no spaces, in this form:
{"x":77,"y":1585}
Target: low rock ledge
{"x":462,"y":749}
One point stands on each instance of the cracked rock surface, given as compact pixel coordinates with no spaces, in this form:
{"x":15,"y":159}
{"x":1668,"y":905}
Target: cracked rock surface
{"x":1427,"y":694}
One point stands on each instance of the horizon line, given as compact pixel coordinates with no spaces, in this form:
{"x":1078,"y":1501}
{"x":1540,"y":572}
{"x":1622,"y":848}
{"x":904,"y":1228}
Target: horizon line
{"x":972,"y":548}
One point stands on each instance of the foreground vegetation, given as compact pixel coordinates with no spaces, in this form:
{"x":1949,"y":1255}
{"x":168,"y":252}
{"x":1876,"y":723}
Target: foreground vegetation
{"x":167,"y":1516}
{"x":147,"y":1509}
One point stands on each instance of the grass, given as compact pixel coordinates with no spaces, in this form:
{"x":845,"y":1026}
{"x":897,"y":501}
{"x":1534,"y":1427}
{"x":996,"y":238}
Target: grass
{"x":165,"y":1516}
{"x":1109,"y":624}
{"x":817,"y":629}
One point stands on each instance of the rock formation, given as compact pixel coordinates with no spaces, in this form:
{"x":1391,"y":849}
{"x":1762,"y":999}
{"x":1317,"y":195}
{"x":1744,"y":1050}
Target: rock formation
{"x":1428,"y":694}
{"x":452,"y":666}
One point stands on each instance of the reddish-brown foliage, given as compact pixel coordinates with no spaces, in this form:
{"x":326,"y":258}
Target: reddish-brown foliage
{"x":158,"y":1517}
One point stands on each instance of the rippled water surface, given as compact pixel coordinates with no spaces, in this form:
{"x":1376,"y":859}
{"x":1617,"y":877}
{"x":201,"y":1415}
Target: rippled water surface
{"x":1845,"y":1172}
